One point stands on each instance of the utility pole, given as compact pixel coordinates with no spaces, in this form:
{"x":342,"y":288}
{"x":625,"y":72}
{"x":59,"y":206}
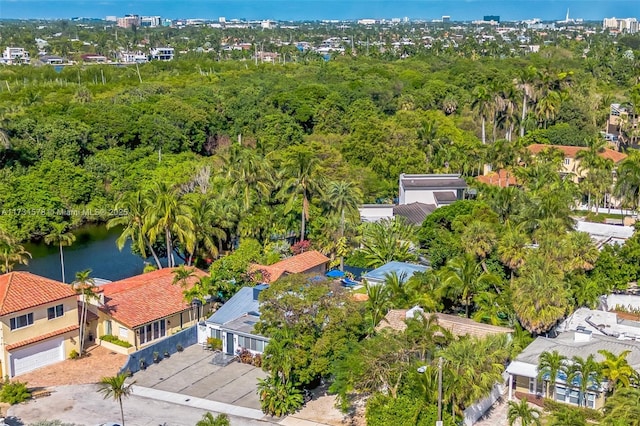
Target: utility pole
{"x":439,"y":422}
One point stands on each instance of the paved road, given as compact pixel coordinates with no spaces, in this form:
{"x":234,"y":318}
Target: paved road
{"x":83,"y":405}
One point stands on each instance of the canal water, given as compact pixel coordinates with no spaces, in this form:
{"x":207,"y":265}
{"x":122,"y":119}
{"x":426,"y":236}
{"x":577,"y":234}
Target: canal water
{"x":94,"y":248}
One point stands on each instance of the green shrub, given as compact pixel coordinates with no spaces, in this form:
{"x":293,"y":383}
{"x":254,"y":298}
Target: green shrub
{"x":14,"y":392}
{"x":74,"y":354}
{"x":555,"y":406}
{"x":51,"y":423}
{"x":214,"y":343}
{"x":116,"y":341}
{"x":404,"y":410}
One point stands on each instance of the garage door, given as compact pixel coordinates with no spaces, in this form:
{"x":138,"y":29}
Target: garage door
{"x":36,"y":356}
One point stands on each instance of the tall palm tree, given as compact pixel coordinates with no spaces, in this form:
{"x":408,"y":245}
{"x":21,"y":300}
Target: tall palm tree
{"x":512,"y":247}
{"x":587,"y":372}
{"x":463,"y":278}
{"x":628,"y":182}
{"x":549,"y":365}
{"x":117,"y":388}
{"x":167,"y":216}
{"x":378,"y":302}
{"x":206,"y":234}
{"x":84,"y":286}
{"x":11,"y":252}
{"x":526,"y":83}
{"x":343,"y":197}
{"x":616,"y":369}
{"x":539,"y":314}
{"x":523,"y":413}
{"x":479,"y":238}
{"x":252,"y":175}
{"x":482,"y":103}
{"x":298,"y":171}
{"x":134,"y":224}
{"x":59,"y":235}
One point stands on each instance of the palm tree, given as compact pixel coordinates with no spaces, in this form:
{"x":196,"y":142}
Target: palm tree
{"x":84,"y":285}
{"x":116,"y":387}
{"x":298,"y":171}
{"x":549,"y":365}
{"x":482,"y":103}
{"x":209,"y":420}
{"x":387,"y":240}
{"x":203,"y":216}
{"x":343,"y":197}
{"x":586,"y":372}
{"x":616,"y":369}
{"x":479,"y":239}
{"x":524,"y":413}
{"x":378,"y":302}
{"x":463,"y":278}
{"x":623,"y":408}
{"x":168,"y":216}
{"x":11,"y":252}
{"x":628,"y":183}
{"x":252,"y":176}
{"x":134,"y":224}
{"x":59,"y":236}
{"x":539,"y":314}
{"x":526,"y":83}
{"x":512,"y":248}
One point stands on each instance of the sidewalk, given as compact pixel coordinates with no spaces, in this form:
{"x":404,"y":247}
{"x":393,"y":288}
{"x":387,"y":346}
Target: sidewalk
{"x":204,"y":404}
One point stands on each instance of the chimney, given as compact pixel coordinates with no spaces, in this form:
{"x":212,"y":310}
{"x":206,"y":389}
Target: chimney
{"x":582,"y":335}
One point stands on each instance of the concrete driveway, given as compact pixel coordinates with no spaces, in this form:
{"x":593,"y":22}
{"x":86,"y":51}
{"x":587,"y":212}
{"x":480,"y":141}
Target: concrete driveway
{"x":83,"y":405}
{"x":191,"y":373}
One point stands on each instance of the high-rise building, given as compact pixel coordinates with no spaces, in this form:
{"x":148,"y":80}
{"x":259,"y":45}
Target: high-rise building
{"x":446,"y":18}
{"x":489,"y":18}
{"x":150,"y":21}
{"x":129,"y":21}
{"x":628,"y":25}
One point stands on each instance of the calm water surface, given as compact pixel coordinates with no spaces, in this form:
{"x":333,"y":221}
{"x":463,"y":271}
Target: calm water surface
{"x":95,"y":248}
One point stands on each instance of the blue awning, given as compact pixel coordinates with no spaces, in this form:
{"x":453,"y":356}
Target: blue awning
{"x":336,"y":273}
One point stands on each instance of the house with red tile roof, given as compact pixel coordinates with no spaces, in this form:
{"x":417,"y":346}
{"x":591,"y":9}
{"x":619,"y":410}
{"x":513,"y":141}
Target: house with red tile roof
{"x":38,"y":322}
{"x":571,"y":164}
{"x":502,"y":178}
{"x":145,"y":308}
{"x":310,"y":262}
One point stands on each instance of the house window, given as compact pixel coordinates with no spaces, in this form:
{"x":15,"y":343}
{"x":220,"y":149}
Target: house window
{"x":107,"y":327}
{"x":123,"y":332}
{"x":560,"y":392}
{"x":216,"y":334}
{"x":153,"y":331}
{"x":574,"y":397}
{"x":21,"y":321}
{"x":567,"y":161}
{"x":55,"y":311}
{"x":591,"y":400}
{"x":251,"y":343}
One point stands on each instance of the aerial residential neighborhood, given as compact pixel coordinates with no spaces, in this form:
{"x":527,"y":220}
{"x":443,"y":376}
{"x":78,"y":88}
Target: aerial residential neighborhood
{"x":348,"y":213}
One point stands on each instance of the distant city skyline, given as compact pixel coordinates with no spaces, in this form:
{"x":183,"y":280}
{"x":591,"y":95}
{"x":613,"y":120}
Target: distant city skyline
{"x":302,"y":10}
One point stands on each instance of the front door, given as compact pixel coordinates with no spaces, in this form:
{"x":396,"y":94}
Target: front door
{"x":229,"y":343}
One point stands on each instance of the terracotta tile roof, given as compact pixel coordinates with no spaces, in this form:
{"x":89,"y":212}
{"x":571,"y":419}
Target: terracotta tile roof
{"x":499,"y":178}
{"x":572,"y":151}
{"x":146,"y":298}
{"x":297,"y":264}
{"x":459,"y":326}
{"x":42,"y":337}
{"x":23,"y":290}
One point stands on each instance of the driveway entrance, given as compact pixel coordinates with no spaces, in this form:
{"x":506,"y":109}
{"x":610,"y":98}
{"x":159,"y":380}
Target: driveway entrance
{"x":192,"y":373}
